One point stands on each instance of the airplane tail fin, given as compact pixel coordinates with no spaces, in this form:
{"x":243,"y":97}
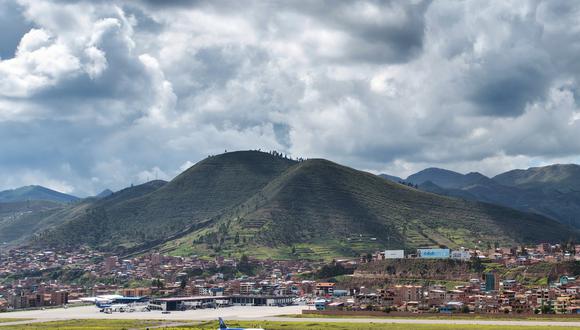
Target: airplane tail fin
{"x":222,"y":324}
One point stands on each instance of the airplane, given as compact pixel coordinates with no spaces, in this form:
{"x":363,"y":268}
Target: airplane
{"x":102,"y":299}
{"x":223,"y":326}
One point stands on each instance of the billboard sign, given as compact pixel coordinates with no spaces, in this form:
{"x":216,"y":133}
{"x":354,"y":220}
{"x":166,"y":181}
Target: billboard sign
{"x":433,"y":253}
{"x":394,"y":254}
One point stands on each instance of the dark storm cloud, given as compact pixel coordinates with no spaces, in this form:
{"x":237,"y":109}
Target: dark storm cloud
{"x":505,"y":90}
{"x":377,"y":31}
{"x":382,"y":31}
{"x":12,"y":27}
{"x":379,"y":39}
{"x":172,"y":3}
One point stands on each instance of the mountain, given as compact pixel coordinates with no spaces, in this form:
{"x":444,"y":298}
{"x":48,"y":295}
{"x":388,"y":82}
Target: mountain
{"x":104,"y":193}
{"x":560,"y":178}
{"x":474,"y":187}
{"x":552,"y":191}
{"x":35,"y":193}
{"x":391,"y":178}
{"x":322,"y":208}
{"x":267,"y":205}
{"x":445,"y":178}
{"x":198,"y":196}
{"x":23,"y":211}
{"x":19,"y":228}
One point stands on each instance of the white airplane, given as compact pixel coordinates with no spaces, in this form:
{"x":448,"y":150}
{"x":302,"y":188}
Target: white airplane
{"x":223,"y":326}
{"x":101,"y":299}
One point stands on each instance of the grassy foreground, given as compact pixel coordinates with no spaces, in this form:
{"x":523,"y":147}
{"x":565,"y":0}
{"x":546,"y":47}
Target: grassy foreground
{"x":86,"y":324}
{"x":375,"y":326}
{"x":12,"y":320}
{"x":490,"y":317}
{"x":179,"y":325}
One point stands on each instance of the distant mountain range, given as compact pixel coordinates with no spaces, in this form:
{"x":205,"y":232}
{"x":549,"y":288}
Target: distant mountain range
{"x":23,"y":209}
{"x":269,"y":206}
{"x":35,"y":193}
{"x":552,"y":191}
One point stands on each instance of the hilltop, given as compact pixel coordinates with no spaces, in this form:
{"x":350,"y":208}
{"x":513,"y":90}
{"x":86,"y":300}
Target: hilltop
{"x":267,"y":205}
{"x":35,"y":193}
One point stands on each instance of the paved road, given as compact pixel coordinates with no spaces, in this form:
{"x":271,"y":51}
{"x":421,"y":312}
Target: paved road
{"x":242,"y":313}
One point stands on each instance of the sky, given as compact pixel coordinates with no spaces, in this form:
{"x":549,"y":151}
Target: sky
{"x":104,"y":94}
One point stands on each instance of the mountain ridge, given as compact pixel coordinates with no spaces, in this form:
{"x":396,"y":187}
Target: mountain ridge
{"x":325,"y":207}
{"x":267,"y":205}
{"x":552,"y":190}
{"x":35,"y":193}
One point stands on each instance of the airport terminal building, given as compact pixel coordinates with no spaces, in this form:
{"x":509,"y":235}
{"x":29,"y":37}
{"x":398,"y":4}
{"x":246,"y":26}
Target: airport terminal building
{"x":184,"y":303}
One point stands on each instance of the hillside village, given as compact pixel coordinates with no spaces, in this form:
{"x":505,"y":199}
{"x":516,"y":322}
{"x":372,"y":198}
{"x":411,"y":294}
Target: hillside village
{"x":370,"y":283}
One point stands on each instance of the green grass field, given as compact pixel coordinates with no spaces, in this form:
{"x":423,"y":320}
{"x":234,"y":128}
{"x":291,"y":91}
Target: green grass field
{"x":375,"y":326}
{"x":85,"y":324}
{"x":178,"y":325}
{"x":12,"y":320}
{"x":442,"y":317}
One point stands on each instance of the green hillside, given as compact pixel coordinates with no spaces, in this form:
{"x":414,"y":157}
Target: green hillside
{"x":21,"y":219}
{"x":193,"y":199}
{"x":321,"y":209}
{"x":561,"y":177}
{"x":552,"y":191}
{"x":35,"y":217}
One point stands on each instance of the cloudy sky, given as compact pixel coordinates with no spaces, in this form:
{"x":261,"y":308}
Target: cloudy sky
{"x":102,"y":94}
